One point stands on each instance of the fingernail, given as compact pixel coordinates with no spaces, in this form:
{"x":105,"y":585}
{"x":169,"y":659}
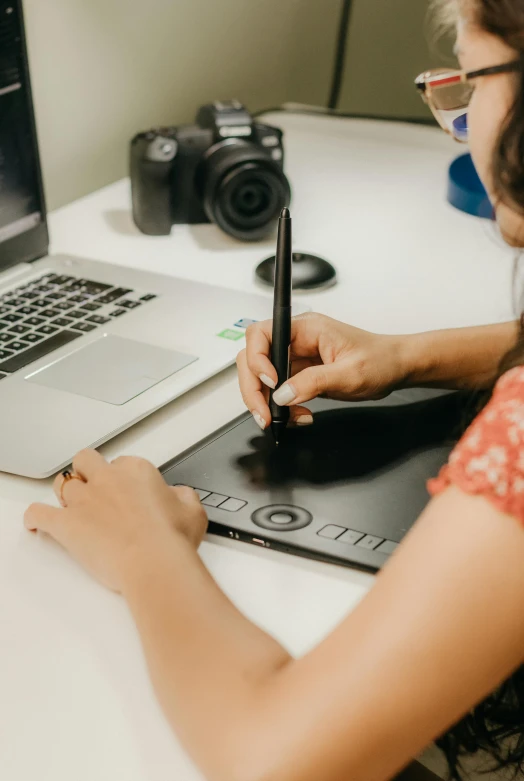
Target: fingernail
{"x":304,"y":420}
{"x":259,"y":420}
{"x":268,"y":381}
{"x":284,"y":395}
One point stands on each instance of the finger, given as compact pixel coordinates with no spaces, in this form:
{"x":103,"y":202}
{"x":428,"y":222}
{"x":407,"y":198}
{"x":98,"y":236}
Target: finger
{"x":67,"y":489}
{"x":258,"y":350}
{"x":185,"y":494}
{"x":299,"y":364}
{"x":87,"y":463}
{"x":43,"y":517}
{"x":307,"y":385}
{"x":300,"y":416}
{"x":253,"y":392}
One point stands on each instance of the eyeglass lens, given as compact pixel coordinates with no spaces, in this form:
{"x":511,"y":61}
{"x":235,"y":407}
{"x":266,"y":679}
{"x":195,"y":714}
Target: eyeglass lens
{"x":451,"y":103}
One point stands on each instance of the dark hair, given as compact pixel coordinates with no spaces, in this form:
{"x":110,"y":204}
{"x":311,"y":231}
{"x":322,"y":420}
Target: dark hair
{"x":495,"y":728}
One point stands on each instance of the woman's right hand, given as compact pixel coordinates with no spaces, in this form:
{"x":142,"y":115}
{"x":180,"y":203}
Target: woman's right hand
{"x":328,"y":358}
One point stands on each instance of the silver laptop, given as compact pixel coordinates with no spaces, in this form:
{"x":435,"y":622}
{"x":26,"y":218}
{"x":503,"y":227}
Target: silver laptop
{"x":86,"y":348}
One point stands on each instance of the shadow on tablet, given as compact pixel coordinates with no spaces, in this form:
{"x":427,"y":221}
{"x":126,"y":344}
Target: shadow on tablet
{"x":356,"y":442}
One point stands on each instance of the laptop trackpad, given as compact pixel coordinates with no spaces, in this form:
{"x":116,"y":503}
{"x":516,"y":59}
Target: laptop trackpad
{"x":112,"y":369}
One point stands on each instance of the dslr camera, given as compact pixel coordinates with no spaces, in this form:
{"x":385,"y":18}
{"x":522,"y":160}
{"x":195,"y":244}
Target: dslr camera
{"x":227,"y":169}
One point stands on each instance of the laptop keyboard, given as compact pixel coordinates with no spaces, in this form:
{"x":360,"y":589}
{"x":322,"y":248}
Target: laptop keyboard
{"x":53,"y":310}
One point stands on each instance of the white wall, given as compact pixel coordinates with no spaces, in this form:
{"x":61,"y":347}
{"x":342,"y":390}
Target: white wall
{"x":103,"y":69}
{"x":391,"y":42}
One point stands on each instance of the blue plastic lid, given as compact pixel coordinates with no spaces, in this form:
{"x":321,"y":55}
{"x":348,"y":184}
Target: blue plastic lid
{"x":465,"y":190}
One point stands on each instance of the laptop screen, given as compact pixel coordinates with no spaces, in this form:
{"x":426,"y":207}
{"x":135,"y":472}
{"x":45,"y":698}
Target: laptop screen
{"x":21,"y":203}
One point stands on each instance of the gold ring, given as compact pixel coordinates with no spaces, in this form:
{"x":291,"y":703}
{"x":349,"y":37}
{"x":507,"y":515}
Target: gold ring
{"x":67,"y":475}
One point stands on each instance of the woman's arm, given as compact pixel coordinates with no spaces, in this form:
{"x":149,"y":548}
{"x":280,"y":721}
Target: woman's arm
{"x":458,"y":357}
{"x":443,"y":626}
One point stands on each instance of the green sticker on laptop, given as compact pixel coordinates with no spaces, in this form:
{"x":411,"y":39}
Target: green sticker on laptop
{"x":233,"y":336}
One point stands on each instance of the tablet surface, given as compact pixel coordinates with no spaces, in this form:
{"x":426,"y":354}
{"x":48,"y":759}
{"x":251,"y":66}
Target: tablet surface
{"x":345,"y":490}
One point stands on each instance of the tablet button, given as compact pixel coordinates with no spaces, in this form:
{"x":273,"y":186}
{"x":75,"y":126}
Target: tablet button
{"x":281,"y":518}
{"x":351,"y":537}
{"x":388,"y":547}
{"x":370,"y":542}
{"x":296,"y":517}
{"x":233,"y":505}
{"x":331,"y":532}
{"x":214,"y":500}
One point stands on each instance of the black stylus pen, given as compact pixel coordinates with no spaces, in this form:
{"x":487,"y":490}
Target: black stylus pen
{"x":281,"y":321}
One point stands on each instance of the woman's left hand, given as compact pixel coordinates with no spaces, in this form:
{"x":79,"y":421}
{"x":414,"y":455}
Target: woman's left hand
{"x":115,"y":512}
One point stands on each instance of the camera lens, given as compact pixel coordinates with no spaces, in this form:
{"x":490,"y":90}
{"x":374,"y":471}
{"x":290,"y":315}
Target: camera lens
{"x":251,"y":199}
{"x":243,"y":190}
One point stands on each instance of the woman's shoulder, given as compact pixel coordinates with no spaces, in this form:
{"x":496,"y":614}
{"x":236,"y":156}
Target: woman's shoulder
{"x":489,"y":459}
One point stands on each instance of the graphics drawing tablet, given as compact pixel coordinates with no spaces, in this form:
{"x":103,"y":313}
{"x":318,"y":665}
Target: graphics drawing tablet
{"x":345,"y":490}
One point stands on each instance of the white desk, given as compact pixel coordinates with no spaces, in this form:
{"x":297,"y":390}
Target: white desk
{"x":75,"y":701}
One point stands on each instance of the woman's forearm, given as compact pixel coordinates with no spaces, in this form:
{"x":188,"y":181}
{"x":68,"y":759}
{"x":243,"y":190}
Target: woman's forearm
{"x":399,"y":670}
{"x":465,"y":358}
{"x":206,"y":660}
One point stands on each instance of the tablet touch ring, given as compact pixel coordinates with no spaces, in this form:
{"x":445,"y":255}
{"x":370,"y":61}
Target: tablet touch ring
{"x":281,"y":517}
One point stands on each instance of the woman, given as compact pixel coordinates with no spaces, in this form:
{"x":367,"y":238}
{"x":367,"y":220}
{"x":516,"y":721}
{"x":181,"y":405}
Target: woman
{"x":443,"y":627}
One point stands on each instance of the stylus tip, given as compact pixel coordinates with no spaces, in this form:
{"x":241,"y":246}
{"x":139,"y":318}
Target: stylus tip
{"x":285,"y":214}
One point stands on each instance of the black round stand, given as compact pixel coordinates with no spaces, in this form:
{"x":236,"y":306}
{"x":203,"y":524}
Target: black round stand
{"x":310,"y":272}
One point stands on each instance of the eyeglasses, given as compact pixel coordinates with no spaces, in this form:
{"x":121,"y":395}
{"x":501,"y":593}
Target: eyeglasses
{"x":448,"y":94}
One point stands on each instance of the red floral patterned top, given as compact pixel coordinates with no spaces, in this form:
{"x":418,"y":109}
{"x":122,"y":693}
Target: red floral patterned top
{"x":489,"y":459}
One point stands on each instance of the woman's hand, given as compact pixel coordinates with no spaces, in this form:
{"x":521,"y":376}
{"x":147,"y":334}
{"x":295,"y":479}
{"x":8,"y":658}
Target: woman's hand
{"x":116,"y":512}
{"x":328,"y":358}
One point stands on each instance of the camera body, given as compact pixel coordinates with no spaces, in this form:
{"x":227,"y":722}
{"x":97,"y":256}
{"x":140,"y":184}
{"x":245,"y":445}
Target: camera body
{"x":226,"y":169}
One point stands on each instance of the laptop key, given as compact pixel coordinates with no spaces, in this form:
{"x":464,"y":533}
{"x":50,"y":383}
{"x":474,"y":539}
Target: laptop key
{"x":129,"y":304}
{"x":117,"y":312}
{"x":62,"y":322}
{"x":91,"y":307}
{"x":148,"y":297}
{"x":26,"y":310}
{"x":84,"y":327}
{"x":55,"y":296}
{"x":17,"y":345}
{"x":19,"y":329}
{"x":79,"y":298}
{"x":77,"y":314}
{"x":5,"y":336}
{"x":98,"y":319}
{"x":4,"y":310}
{"x":94,"y":288}
{"x":64,"y":306}
{"x":47,"y":329}
{"x":5,"y":354}
{"x":34,"y":321}
{"x":29,"y":295}
{"x":50,"y":313}
{"x":12,"y":318}
{"x":62,"y":280}
{"x":33,"y":338}
{"x":16,"y":362}
{"x":42,"y":303}
{"x":108,"y":298}
{"x":14,"y":302}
